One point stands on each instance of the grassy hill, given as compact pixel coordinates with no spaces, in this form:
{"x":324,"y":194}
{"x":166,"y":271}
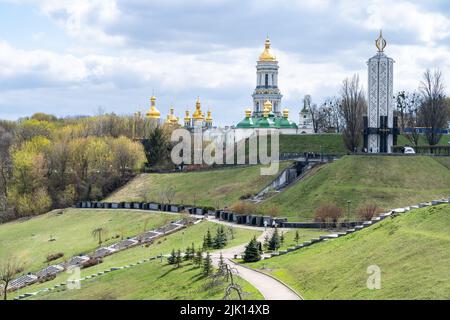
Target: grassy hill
{"x":412,"y":251}
{"x":28,"y":240}
{"x":205,"y":188}
{"x":388,"y":181}
{"x":153,"y":280}
{"x":179,"y":240}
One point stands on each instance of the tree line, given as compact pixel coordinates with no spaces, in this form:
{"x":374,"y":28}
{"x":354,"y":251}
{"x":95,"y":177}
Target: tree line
{"x":428,"y":107}
{"x":47,"y":163}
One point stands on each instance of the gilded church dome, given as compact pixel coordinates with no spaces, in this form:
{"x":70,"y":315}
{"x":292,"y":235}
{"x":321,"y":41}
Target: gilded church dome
{"x":267,"y":54}
{"x":153,"y":113}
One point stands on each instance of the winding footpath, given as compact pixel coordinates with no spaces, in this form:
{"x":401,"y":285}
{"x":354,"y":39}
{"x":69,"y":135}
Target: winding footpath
{"x":268,"y":286}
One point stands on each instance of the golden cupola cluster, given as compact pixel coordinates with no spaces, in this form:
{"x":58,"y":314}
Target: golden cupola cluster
{"x":267,"y":54}
{"x":198,"y":118}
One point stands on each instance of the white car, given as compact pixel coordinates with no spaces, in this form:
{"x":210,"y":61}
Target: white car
{"x":409,"y":150}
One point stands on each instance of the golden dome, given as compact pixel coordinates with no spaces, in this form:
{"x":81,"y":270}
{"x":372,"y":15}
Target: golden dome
{"x":198,"y":115}
{"x":268,"y":106}
{"x":267,"y":54}
{"x":286,"y":113}
{"x":209,"y":117}
{"x":171,"y":118}
{"x":153,"y":113}
{"x":248,"y":113}
{"x":187,"y":117}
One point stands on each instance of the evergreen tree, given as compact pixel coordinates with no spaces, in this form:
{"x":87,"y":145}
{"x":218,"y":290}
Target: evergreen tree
{"x":172,"y":258}
{"x":231,"y":230}
{"x":198,"y":258}
{"x":220,"y":240}
{"x":192,"y":251}
{"x":204,"y":245}
{"x":252,"y":251}
{"x":208,"y":240}
{"x":274,"y":242}
{"x":187,"y":254}
{"x":178,"y":259}
{"x":297,"y":237}
{"x":207,"y":265}
{"x":221,"y":262}
{"x":266,"y":242}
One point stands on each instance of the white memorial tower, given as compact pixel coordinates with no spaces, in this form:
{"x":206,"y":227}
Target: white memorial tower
{"x":266,"y":83}
{"x":380,"y":127}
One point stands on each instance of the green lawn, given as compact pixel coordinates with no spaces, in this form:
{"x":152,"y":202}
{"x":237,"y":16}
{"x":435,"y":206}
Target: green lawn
{"x":403,"y":141}
{"x":178,"y":240}
{"x":388,"y":181}
{"x":153,"y":280}
{"x":216,"y":188}
{"x":304,"y":235}
{"x":28,"y":240}
{"x":328,"y":143}
{"x":412,"y":251}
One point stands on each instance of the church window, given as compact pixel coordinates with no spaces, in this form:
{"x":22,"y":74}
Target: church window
{"x":267,"y":81}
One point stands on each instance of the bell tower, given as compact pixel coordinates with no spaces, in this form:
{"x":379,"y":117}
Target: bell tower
{"x":266,"y":83}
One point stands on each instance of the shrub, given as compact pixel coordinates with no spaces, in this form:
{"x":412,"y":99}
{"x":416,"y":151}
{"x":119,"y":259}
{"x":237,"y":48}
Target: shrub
{"x":245,"y":196}
{"x":91,"y":262}
{"x":368,"y":211}
{"x":328,"y":212}
{"x":54,"y":256}
{"x":243,"y":207}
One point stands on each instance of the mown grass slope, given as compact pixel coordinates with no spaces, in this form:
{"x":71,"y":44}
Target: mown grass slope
{"x":178,"y":240}
{"x":220,"y":187}
{"x":28,"y":240}
{"x":412,"y":251}
{"x":153,"y":280}
{"x":388,"y":181}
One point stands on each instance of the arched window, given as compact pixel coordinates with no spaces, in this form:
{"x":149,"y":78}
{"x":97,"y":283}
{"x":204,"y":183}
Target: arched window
{"x":267,"y":80}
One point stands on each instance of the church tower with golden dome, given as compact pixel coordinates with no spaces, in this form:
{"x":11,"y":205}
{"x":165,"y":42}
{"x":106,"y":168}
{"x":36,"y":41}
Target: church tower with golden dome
{"x":266,"y":83}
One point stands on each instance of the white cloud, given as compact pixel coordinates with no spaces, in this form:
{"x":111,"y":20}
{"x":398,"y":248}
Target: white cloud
{"x":402,"y":16}
{"x":86,"y":20}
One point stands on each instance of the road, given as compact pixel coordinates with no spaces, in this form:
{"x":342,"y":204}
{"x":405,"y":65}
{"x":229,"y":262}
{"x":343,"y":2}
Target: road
{"x":270,"y":288}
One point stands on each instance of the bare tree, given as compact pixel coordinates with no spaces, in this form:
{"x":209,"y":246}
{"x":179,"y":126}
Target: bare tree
{"x":8,"y":270}
{"x":99,"y":233}
{"x":368,"y":211}
{"x":412,"y":104}
{"x":433,"y":110}
{"x":352,"y":108}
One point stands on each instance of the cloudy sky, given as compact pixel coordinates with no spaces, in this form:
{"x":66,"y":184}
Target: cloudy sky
{"x":72,"y":57}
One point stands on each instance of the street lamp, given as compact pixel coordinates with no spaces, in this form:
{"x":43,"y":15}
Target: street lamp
{"x":348,"y":210}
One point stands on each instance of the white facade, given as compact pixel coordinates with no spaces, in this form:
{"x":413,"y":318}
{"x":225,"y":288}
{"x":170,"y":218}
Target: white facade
{"x":305,"y":122}
{"x":380,"y":111}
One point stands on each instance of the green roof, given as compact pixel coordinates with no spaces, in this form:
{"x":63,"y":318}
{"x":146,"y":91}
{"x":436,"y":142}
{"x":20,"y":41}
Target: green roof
{"x":270,"y":122}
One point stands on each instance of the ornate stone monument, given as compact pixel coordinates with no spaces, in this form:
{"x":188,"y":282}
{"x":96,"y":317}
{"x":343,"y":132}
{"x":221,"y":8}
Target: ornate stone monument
{"x":380,"y":126}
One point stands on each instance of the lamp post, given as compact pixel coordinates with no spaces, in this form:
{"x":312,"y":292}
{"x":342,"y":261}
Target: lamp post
{"x":348,"y":210}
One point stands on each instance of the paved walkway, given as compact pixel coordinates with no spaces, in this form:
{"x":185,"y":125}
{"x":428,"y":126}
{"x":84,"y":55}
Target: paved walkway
{"x":270,"y":288}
